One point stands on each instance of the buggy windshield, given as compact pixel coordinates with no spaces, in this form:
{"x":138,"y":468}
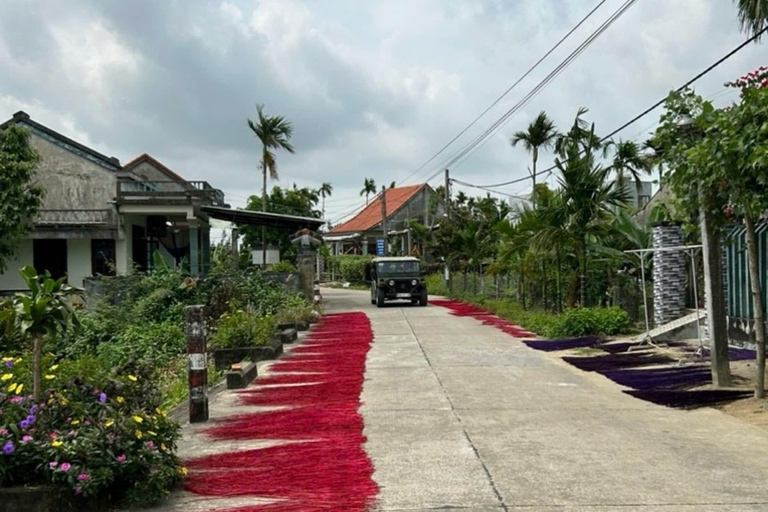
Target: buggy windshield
{"x":397,"y":267}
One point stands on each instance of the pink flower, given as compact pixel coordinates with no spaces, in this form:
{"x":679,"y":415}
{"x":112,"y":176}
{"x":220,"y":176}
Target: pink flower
{"x":78,"y":490}
{"x":82,"y":477}
{"x":150,"y":445}
{"x":26,"y":439}
{"x":17,"y":399}
{"x":3,"y":431}
{"x":54,"y":435}
{"x":120,"y":458}
{"x":65,"y":466}
{"x":53,"y":464}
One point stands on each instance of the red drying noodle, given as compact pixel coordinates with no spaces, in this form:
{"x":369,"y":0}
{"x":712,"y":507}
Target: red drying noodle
{"x":327,"y":469}
{"x":460,"y":309}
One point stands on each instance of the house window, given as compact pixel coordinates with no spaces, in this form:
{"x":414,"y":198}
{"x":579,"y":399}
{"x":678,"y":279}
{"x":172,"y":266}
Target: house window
{"x":102,"y":257}
{"x":50,"y":255}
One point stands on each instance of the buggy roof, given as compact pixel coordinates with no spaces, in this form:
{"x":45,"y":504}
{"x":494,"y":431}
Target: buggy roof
{"x":394,"y":258}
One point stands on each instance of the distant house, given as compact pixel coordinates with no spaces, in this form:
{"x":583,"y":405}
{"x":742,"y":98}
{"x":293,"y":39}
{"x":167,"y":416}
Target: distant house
{"x":99,"y":217}
{"x":639,"y":193}
{"x":359,"y":234}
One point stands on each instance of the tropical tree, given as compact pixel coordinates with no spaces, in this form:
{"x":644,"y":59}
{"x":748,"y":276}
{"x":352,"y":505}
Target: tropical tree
{"x":540,"y":134}
{"x":46,"y":310}
{"x":588,"y":195}
{"x":753,"y":15}
{"x":628,"y":157}
{"x":274,"y":132}
{"x":20,"y":196}
{"x":325,"y":190}
{"x":369,"y":187}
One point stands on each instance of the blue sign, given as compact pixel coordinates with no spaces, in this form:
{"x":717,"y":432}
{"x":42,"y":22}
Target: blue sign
{"x":379,"y":247}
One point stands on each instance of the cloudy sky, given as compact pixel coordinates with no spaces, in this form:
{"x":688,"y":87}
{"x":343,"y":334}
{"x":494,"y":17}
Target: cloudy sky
{"x":374,"y":88}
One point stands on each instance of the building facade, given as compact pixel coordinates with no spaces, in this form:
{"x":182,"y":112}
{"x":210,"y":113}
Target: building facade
{"x":99,"y":217}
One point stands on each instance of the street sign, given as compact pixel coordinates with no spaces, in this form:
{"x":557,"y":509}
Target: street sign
{"x":379,"y":247}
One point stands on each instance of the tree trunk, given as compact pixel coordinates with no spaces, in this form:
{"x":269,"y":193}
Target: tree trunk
{"x":559,"y":304}
{"x":522,"y":284}
{"x":37,"y":354}
{"x":264,"y":209}
{"x":713,"y":285}
{"x":533,"y":194}
{"x":757,"y":305}
{"x":582,"y":273}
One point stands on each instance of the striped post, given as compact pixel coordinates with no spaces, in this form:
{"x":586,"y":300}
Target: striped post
{"x":196,"y":364}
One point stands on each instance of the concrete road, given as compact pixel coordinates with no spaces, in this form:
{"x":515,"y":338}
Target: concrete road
{"x":460,"y":416}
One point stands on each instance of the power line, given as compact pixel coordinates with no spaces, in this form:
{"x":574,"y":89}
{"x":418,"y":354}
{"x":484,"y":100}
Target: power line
{"x":652,"y":108}
{"x":496,"y":102}
{"x":480,"y":140}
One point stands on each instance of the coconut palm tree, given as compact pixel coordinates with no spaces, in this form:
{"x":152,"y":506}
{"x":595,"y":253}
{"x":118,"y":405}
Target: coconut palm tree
{"x":369,"y":187}
{"x":325,"y":190}
{"x":541,"y":134}
{"x":753,"y":15}
{"x":628,"y":158}
{"x":274,"y":132}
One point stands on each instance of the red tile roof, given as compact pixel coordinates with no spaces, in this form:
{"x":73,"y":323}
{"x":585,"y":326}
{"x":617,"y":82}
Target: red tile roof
{"x":155,"y":163}
{"x":371,"y":215}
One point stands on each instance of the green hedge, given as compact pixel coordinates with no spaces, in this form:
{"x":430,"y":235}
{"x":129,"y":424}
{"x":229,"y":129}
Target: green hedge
{"x":436,"y":285}
{"x":571,"y":322}
{"x":351,"y":268}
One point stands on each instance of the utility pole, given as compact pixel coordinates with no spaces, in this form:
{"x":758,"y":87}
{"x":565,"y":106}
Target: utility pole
{"x":447,"y":187}
{"x":384,"y":217}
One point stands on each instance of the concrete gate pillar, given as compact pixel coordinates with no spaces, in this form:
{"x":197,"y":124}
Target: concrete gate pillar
{"x":668,"y":274}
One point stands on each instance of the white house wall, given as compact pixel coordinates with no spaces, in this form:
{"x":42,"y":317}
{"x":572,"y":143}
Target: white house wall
{"x":11,"y":279}
{"x":78,"y":260}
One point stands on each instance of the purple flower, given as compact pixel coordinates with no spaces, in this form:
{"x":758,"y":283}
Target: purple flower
{"x":103,"y":398}
{"x":53,"y":464}
{"x":26,"y":439}
{"x":82,"y":477}
{"x":120,"y":458}
{"x":65,"y":466}
{"x":8,"y":448}
{"x":8,"y":364}
{"x":23,"y":424}
{"x":33,"y":409}
{"x":31,"y":419}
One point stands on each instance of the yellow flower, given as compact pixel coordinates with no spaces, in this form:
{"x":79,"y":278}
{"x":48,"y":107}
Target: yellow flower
{"x":18,"y":389}
{"x":183,"y":471}
{"x":12,"y":387}
{"x":75,"y":422}
{"x":138,"y":434}
{"x":138,"y":419}
{"x":56,"y":443}
{"x":109,"y":423}
{"x":50,"y":377}
{"x":54,"y":367}
{"x":7,"y":376}
{"x":120,"y":400}
{"x":6,"y":359}
{"x":162,"y":447}
{"x":132,"y":378}
{"x":161,"y":412}
{"x":18,"y":360}
{"x":64,"y":401}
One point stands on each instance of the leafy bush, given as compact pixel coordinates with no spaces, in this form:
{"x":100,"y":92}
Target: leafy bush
{"x":351,"y":268}
{"x":295,"y":309}
{"x":436,"y":285}
{"x":243,"y":328}
{"x":285,"y":267}
{"x":159,"y":342}
{"x":93,"y":434}
{"x":572,"y":322}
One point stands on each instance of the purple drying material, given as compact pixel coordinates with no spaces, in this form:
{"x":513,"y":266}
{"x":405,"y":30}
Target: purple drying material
{"x":689,"y":399}
{"x":661,"y":378}
{"x":564,"y":344}
{"x":615,"y":361}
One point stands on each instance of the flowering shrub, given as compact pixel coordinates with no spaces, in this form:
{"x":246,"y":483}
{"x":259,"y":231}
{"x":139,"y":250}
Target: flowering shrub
{"x":106,"y":435}
{"x":756,"y":79}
